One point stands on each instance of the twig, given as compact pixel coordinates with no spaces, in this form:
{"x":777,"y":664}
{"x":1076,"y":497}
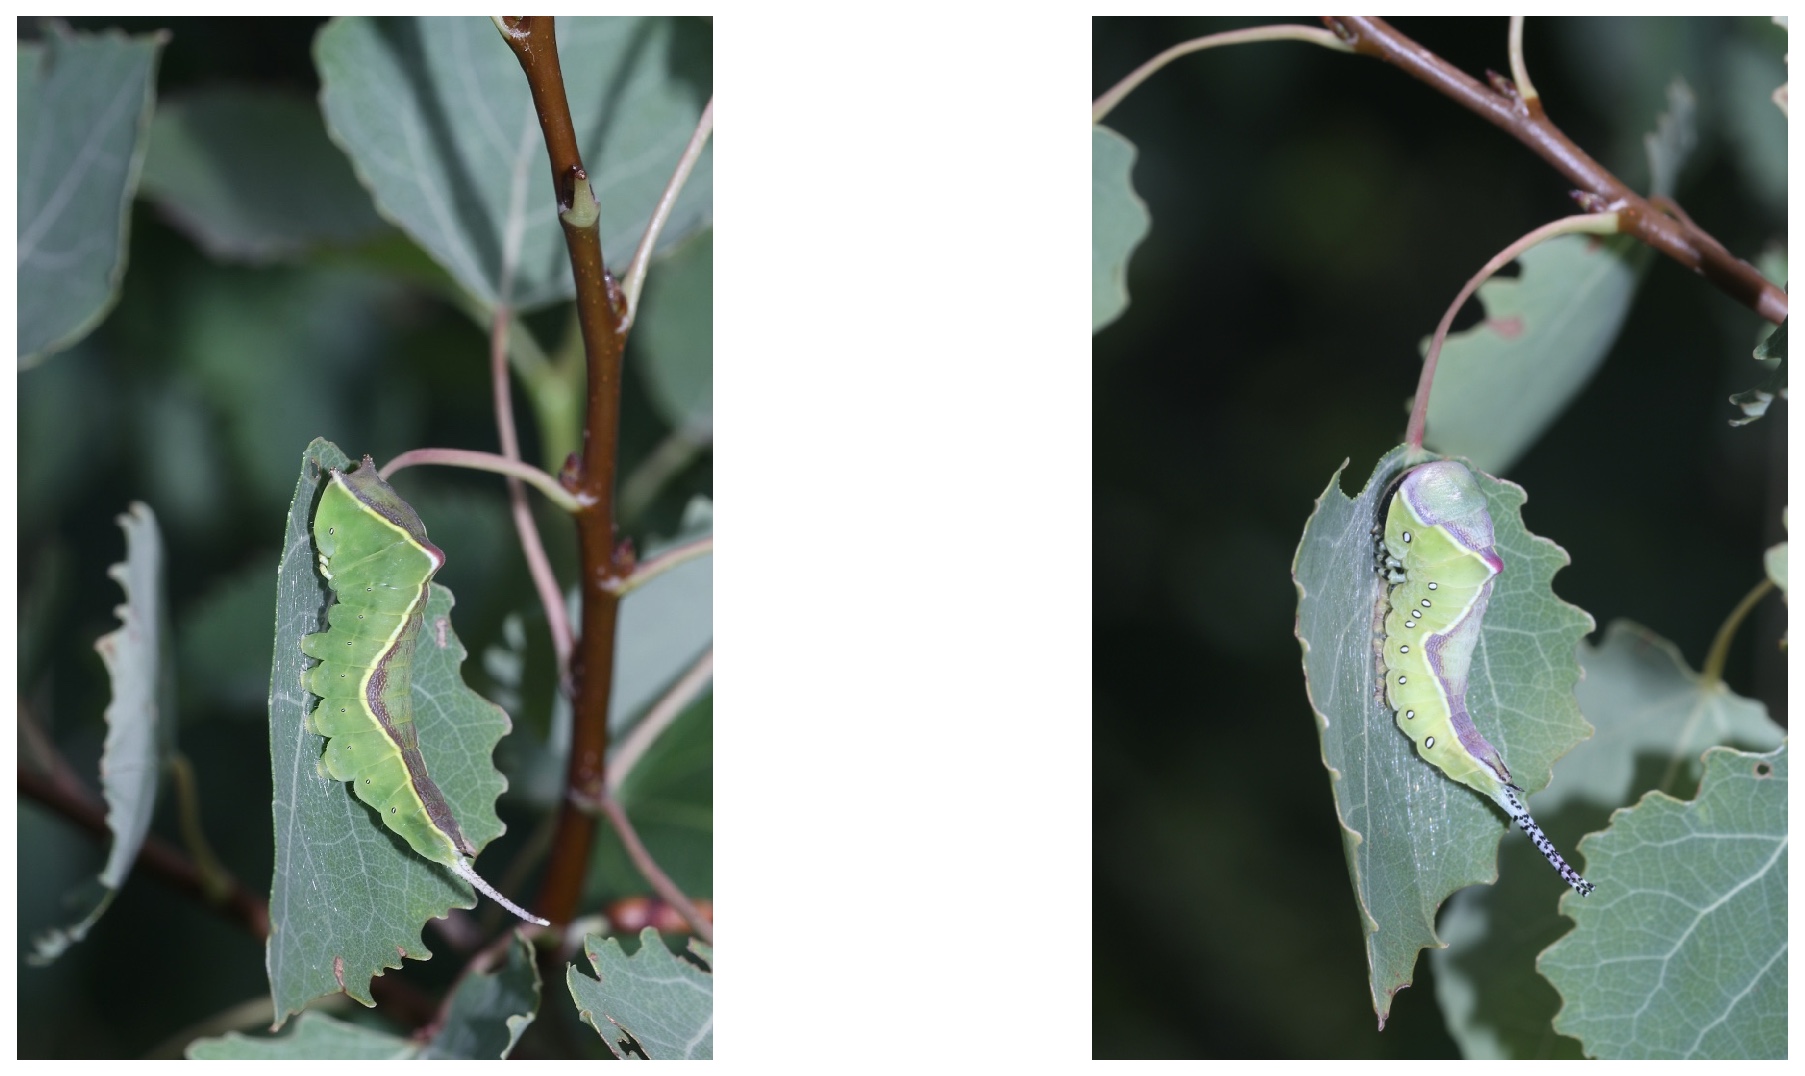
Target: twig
{"x":157,"y":856}
{"x":65,"y":794}
{"x":600,"y":313}
{"x":1691,"y":247}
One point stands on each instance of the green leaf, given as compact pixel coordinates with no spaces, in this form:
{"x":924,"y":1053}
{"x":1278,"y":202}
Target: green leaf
{"x":1775,"y":561}
{"x":651,"y":1005}
{"x":250,"y":175}
{"x":84,"y":106}
{"x":664,"y":627}
{"x":1119,"y":221}
{"x":1654,"y":716}
{"x":1686,"y":958}
{"x":673,"y":338}
{"x":669,"y":795}
{"x":1501,"y":383}
{"x":270,"y":354}
{"x":139,"y":717}
{"x":487,"y":1014}
{"x":348,"y":896}
{"x":1771,"y":354}
{"x":223,"y":645}
{"x":490,"y":1010}
{"x":438,"y":122}
{"x":1754,"y":128}
{"x":1413,"y":836}
{"x":1673,"y":139}
{"x":315,"y":1037}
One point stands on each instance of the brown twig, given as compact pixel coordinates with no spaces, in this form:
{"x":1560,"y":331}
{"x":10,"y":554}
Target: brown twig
{"x":600,"y":313}
{"x":156,"y":857}
{"x":1524,"y":120}
{"x":64,"y":793}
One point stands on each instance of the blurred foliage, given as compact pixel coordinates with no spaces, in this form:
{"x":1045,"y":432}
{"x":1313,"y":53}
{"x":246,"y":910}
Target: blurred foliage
{"x":197,"y":395}
{"x":1313,"y":214}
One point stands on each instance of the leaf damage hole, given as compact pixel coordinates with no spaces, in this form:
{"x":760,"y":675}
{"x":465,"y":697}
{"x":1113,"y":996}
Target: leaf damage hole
{"x":1763,"y":770}
{"x":627,"y":1043}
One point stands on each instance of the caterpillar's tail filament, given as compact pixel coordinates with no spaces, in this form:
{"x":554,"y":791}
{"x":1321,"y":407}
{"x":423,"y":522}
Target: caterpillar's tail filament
{"x":468,"y":873}
{"x":1515,"y":808}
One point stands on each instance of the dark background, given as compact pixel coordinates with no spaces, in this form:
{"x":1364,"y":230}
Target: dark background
{"x":1313,"y":215}
{"x":197,"y":395}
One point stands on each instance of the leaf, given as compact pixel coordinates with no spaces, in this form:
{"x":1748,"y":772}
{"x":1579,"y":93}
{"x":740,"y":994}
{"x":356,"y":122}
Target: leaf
{"x":1753,"y":128}
{"x":1501,"y":383}
{"x":490,"y":1010}
{"x":438,"y":122}
{"x":308,"y":333}
{"x":664,"y":627}
{"x":84,"y":106}
{"x":139,"y":717}
{"x":250,"y":175}
{"x":1412,"y":836}
{"x":1653,"y":716}
{"x":1771,"y":354}
{"x":1686,"y":956}
{"x":348,"y":896}
{"x":1119,"y":221}
{"x":651,"y":1005}
{"x":1775,"y":561}
{"x":1673,"y":139}
{"x":669,"y":795}
{"x":224,"y":644}
{"x":673,"y":340}
{"x":487,"y":1014}
{"x":316,"y":1037}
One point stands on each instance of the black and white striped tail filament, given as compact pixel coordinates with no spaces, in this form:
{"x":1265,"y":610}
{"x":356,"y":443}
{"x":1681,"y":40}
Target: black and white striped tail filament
{"x":1567,"y":873}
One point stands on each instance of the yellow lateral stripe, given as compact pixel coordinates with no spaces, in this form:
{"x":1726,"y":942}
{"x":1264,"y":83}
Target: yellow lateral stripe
{"x":389,"y":643}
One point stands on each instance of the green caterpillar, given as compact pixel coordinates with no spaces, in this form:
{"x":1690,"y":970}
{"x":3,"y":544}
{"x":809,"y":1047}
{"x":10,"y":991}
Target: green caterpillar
{"x":375,"y":557}
{"x":1438,"y":554}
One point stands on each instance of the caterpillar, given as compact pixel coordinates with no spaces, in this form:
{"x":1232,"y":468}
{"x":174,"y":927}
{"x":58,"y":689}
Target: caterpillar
{"x":1437,"y":553}
{"x":375,"y":557}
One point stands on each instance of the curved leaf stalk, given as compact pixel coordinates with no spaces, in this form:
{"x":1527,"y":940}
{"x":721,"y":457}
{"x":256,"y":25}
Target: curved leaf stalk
{"x":1713,"y":670}
{"x":1113,"y":96}
{"x":538,"y":565}
{"x":642,"y":257}
{"x":1591,"y":224}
